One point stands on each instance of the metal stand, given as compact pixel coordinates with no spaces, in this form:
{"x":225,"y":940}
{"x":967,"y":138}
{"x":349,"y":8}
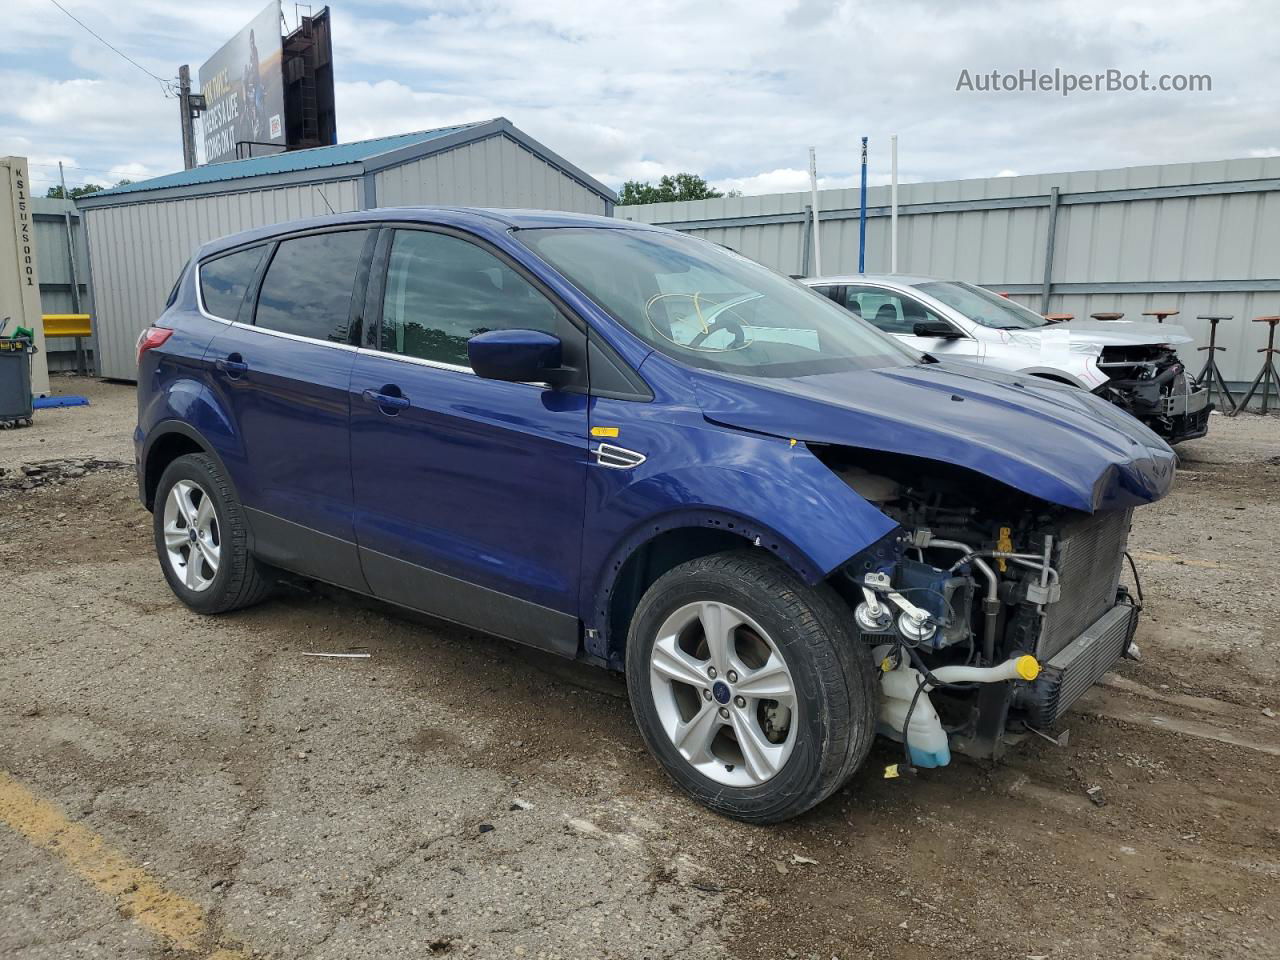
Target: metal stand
{"x":1160,"y":314}
{"x":1211,"y":374}
{"x":1268,"y":376}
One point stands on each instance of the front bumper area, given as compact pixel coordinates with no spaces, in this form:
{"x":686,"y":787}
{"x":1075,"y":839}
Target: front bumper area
{"x":1172,"y":404}
{"x":1191,"y":425}
{"x":1077,"y":667}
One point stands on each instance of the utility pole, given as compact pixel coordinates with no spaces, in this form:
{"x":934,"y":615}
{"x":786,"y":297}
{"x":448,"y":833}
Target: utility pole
{"x":71,"y":245}
{"x":862,"y":214}
{"x":813,"y":199}
{"x":82,"y":365}
{"x":190,"y":106}
{"x":893,"y":205}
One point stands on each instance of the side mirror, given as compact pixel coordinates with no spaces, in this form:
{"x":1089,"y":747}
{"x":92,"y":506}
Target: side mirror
{"x":938,"y":329}
{"x":519,"y":356}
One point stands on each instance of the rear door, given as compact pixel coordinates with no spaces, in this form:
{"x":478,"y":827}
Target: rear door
{"x":469,"y":492}
{"x":284,"y":371}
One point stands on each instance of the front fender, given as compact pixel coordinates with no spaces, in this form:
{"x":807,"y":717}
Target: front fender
{"x":1075,"y":375}
{"x":790,"y":499}
{"x":771,"y":492}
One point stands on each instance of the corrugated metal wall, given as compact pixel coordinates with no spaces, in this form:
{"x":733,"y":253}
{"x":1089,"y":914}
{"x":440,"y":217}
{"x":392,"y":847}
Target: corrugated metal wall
{"x":497,"y":172}
{"x":136,"y":251}
{"x":1198,"y":238}
{"x":55,"y":274}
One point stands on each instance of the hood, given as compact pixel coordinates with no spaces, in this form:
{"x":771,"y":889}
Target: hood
{"x":1057,"y":443}
{"x":1104,"y":333}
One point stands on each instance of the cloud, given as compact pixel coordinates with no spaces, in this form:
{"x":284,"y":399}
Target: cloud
{"x":636,"y":90}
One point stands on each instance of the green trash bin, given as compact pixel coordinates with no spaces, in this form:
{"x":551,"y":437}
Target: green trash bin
{"x":15,"y":382}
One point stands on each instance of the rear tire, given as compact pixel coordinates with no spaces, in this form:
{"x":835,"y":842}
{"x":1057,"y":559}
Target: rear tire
{"x":202,"y":539}
{"x":794,"y":637}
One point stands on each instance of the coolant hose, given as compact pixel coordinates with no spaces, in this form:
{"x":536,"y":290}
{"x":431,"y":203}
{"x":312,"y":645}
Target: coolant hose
{"x":1024,"y":667}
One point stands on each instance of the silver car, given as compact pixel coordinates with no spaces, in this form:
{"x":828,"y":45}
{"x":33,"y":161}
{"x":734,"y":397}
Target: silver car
{"x":1131,"y":363}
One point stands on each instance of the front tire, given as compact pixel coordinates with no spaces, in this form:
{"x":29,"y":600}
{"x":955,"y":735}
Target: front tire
{"x":749,"y":686}
{"x":202,"y":539}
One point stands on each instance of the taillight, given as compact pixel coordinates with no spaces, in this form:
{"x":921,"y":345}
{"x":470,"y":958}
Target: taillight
{"x":152,"y":337}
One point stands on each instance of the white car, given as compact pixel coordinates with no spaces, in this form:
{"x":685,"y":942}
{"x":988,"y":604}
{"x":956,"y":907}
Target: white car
{"x":1131,"y":363}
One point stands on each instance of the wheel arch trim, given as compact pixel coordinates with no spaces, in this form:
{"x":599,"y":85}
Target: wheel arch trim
{"x":168,"y":428}
{"x":599,"y":640}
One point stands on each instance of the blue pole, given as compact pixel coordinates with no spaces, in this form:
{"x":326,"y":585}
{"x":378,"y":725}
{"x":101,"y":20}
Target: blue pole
{"x":862,"y":214}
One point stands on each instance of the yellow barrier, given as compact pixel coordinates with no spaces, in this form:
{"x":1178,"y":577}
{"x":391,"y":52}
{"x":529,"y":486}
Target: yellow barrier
{"x":67,"y":325}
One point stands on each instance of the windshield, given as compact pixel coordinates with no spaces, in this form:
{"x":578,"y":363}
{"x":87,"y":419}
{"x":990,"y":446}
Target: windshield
{"x":708,"y":307}
{"x":983,"y":306}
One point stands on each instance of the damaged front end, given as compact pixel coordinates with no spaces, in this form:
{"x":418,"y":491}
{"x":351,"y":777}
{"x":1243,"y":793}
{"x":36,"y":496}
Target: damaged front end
{"x":989,"y":611}
{"x":1152,"y":384}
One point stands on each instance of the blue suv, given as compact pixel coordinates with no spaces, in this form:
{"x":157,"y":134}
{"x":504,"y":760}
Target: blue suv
{"x":630,"y":446}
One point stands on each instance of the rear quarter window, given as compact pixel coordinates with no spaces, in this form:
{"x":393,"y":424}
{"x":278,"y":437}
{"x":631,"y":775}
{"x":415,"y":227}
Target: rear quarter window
{"x":224,"y":280}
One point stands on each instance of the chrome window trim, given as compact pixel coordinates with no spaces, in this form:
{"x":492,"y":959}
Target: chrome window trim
{"x":370,"y":351}
{"x":200,"y":298}
{"x":420,"y":361}
{"x":441,"y":365}
{"x":255,"y":328}
{"x":284,"y":335}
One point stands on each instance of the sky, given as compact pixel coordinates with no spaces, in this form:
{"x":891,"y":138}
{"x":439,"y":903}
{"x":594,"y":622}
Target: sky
{"x":734,"y":92}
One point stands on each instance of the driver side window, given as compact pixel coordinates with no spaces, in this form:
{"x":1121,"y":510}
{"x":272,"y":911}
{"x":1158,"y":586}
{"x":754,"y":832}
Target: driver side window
{"x":886,"y":310}
{"x":441,"y":291}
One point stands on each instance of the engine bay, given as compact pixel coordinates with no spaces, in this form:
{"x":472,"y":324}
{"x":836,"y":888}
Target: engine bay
{"x":973,"y":604}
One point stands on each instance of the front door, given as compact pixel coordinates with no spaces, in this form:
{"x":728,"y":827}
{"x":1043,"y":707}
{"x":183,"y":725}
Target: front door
{"x":469,"y":492}
{"x":284,"y":373}
{"x":897,"y":315}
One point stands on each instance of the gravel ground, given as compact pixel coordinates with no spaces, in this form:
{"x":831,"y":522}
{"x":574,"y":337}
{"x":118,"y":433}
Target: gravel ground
{"x":456,"y":795}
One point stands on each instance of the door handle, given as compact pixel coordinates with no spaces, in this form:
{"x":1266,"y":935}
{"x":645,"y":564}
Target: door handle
{"x":387,"y":402}
{"x":232,"y":365}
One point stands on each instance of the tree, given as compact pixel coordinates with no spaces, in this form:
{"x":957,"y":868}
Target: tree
{"x":55,"y":193}
{"x":682,"y":186}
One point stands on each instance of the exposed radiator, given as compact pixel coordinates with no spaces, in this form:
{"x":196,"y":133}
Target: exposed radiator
{"x":1078,"y":666}
{"x":1088,"y":558}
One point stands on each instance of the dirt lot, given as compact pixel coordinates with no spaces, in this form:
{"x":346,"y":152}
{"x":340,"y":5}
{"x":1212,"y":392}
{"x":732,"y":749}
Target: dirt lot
{"x":455,"y":795}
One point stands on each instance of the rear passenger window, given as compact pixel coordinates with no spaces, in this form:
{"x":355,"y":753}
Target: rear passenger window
{"x":307,"y":288}
{"x":442,"y":291}
{"x":223,"y":281}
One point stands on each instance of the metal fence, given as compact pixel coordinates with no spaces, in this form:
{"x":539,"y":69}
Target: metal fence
{"x":1201,"y":238}
{"x":52,"y":253}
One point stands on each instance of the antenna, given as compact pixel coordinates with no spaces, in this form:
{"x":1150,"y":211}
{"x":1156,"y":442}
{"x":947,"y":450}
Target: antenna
{"x":317,"y":189}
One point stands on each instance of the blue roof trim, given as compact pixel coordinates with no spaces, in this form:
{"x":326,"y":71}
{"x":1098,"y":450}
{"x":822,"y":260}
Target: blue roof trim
{"x":293,"y":161}
{"x":340,"y":161}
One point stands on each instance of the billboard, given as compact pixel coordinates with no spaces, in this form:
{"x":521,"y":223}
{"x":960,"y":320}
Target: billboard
{"x":243,"y":87}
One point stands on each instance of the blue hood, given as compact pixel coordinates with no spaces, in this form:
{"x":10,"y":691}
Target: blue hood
{"x":1054,"y":442}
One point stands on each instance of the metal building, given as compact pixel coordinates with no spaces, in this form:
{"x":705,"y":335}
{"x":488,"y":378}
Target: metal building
{"x":140,"y":235}
{"x":1200,"y":238}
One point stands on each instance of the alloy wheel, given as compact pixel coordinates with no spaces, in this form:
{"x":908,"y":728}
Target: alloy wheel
{"x":192,"y":540}
{"x":724,"y":694}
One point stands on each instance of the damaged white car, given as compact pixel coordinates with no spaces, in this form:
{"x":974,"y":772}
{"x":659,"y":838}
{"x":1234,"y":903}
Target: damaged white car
{"x":1133,"y":364}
